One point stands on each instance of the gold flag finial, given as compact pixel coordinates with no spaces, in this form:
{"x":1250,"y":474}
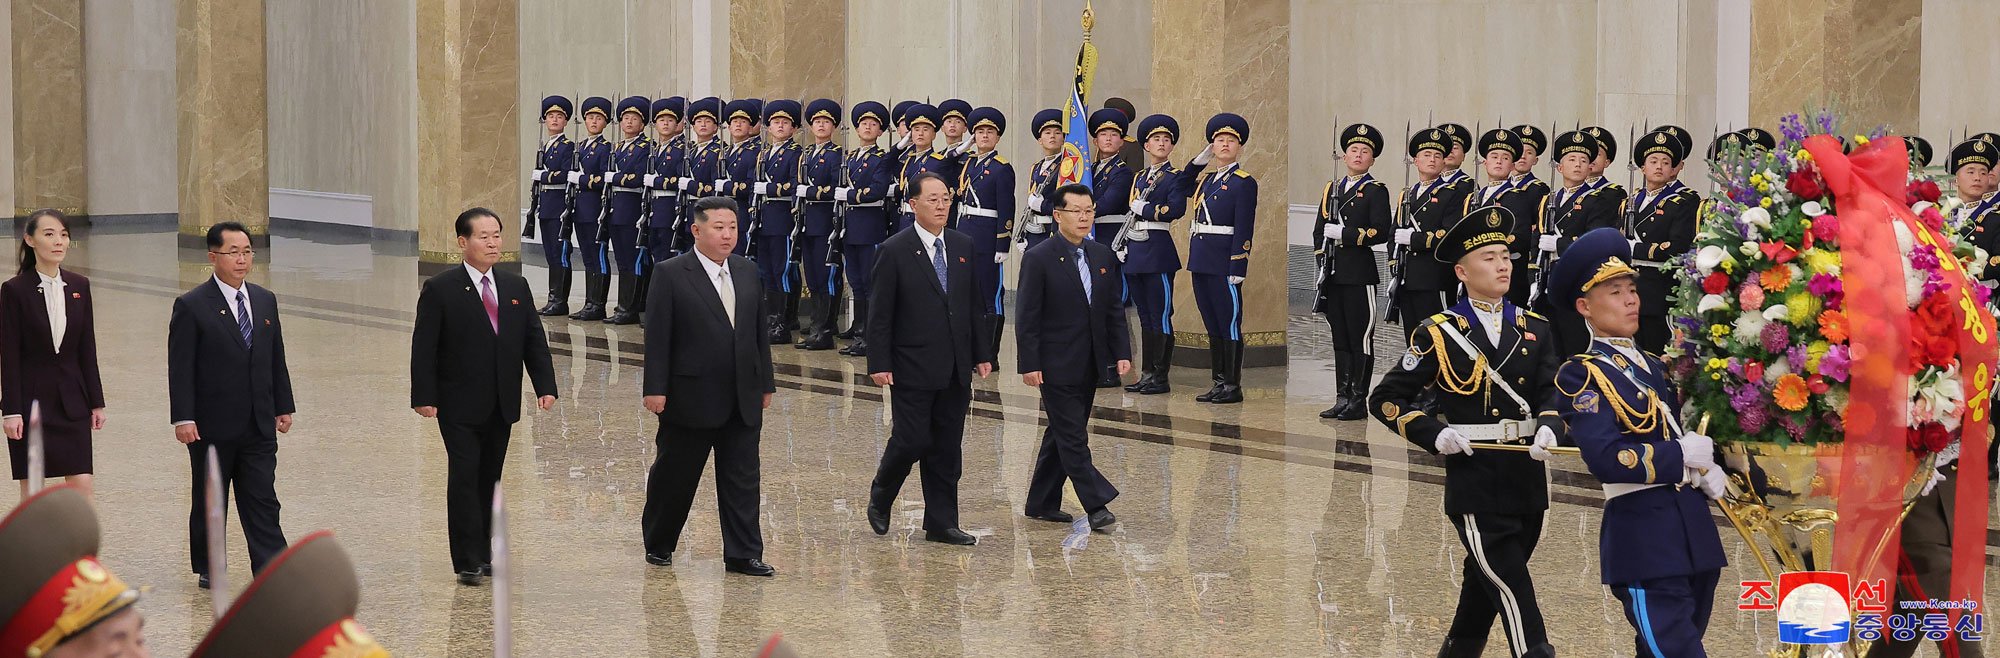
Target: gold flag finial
{"x":1088,"y":19}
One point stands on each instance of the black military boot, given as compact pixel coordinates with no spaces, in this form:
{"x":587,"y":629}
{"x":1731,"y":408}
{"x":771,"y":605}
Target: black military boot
{"x":820,"y":309}
{"x":1458,"y":647}
{"x":791,"y":313}
{"x":1343,"y":396}
{"x":853,"y":323}
{"x":1147,"y":345}
{"x":1161,"y":366}
{"x":595,"y":288}
{"x":858,"y":325}
{"x":1231,"y":390}
{"x":1357,"y":387}
{"x":558,"y":292}
{"x":628,"y":304}
{"x":1215,"y":368}
{"x":774,"y":315}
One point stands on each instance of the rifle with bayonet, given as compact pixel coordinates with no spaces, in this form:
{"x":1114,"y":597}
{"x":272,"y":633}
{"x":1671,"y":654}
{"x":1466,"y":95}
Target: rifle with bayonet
{"x":1399,"y":254}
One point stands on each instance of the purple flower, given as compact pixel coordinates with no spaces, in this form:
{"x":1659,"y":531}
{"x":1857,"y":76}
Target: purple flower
{"x":1834,"y":364}
{"x":1752,"y":419}
{"x":1825,"y":122}
{"x":1924,"y":257}
{"x":1983,"y":294}
{"x":1824,"y":286}
{"x":1796,"y":429}
{"x":1744,"y":397}
{"x":1774,"y":337}
{"x":1936,"y":286}
{"x":1796,"y":357}
{"x":1734,"y":366}
{"x":1832,"y":422}
{"x":1792,"y":127}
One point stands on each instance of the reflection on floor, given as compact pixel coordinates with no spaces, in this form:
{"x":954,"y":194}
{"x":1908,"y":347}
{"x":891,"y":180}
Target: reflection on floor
{"x":1253,"y":529}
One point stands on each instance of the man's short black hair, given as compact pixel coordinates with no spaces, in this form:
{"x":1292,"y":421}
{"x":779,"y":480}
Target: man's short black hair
{"x":707,"y":203}
{"x":464,"y":223}
{"x":215,"y":232}
{"x":1063,"y":193}
{"x":917,"y":182}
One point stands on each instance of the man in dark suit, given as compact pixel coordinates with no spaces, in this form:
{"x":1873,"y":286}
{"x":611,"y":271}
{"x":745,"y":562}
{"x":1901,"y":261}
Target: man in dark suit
{"x":922,"y":320}
{"x":1072,"y":334}
{"x":474,"y":334}
{"x":708,"y":376}
{"x":228,"y":387}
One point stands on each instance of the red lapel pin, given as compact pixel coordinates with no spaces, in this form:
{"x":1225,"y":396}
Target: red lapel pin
{"x":515,"y":301}
{"x":961,"y":259}
{"x":76,"y":295}
{"x":267,"y":322}
{"x":1100,"y":270}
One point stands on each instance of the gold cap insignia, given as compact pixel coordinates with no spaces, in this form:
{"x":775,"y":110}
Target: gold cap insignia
{"x":1660,"y":138}
{"x":1493,"y":218}
{"x":1363,"y":130}
{"x":1979,"y":146}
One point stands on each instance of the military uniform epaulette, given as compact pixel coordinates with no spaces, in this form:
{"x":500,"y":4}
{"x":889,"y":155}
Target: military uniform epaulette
{"x":1444,"y":317}
{"x":937,"y":156}
{"x":1239,"y":174}
{"x":1000,"y":159}
{"x":1607,"y":187}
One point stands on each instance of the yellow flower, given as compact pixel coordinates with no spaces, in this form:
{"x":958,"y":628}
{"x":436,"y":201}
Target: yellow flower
{"x":1715,"y":363}
{"x":1765,"y":202}
{"x":1716,"y":376}
{"x":1807,"y":223}
{"x":1717,"y":332}
{"x":1814,"y":352}
{"x":1821,"y":261}
{"x":1802,"y":309}
{"x":1860,"y":140}
{"x":1804,"y":154}
{"x":1756,"y":179}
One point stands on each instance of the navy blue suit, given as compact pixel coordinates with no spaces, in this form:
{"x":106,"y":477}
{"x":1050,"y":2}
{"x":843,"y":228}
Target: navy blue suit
{"x":1074,"y":340}
{"x":593,"y":156}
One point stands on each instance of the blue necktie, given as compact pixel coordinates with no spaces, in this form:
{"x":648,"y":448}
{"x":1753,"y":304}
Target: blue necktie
{"x":243,"y":317}
{"x":1083,"y":273}
{"x":937,"y":262}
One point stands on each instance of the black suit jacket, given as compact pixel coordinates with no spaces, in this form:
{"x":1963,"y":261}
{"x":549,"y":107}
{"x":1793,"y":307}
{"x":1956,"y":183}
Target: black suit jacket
{"x":916,"y":331}
{"x":1068,"y":339}
{"x":230,"y":392}
{"x":704,"y":366}
{"x":460,"y":365}
{"x":66,"y":381}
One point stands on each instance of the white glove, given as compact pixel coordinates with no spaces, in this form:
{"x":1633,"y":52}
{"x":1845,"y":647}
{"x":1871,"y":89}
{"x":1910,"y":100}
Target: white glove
{"x":1202,"y":157}
{"x":1403,"y":236}
{"x":800,"y":192}
{"x":895,"y":188}
{"x":1139,"y":207}
{"x":576,"y":178}
{"x":1331,"y":232}
{"x":760,"y":188}
{"x":903,"y":142}
{"x":999,"y":257}
{"x":1450,"y":442}
{"x":1635,"y":244}
{"x":687,"y":185}
{"x":844,"y":194}
{"x":963,"y":146}
{"x":1035,"y":201}
{"x":1121,"y":254}
{"x":1548,"y":243}
{"x":652,"y":180}
{"x":1697,"y":451}
{"x":539,"y":173}
{"x":1545,"y":438}
{"x":1936,"y":477}
{"x":1235,"y":280}
{"x":720,"y":184}
{"x":1714,"y":483}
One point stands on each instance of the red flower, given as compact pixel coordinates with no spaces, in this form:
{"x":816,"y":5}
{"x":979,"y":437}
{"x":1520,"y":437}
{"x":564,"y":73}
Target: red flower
{"x":1753,"y":371}
{"x":1817,"y":384}
{"x":1715,"y":284}
{"x":1927,"y":438}
{"x":1925,"y":191}
{"x":1804,"y":184}
{"x":1931,"y":218}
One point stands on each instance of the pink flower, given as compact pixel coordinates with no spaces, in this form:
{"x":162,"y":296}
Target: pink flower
{"x":1834,"y":364}
{"x":1751,"y":295}
{"x":1826,"y":228}
{"x":1931,"y":218}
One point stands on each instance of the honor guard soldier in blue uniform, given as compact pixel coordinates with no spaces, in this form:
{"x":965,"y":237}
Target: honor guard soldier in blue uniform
{"x":1661,"y":220}
{"x":985,"y":205}
{"x":1149,"y":253}
{"x":776,"y":192}
{"x":1657,"y":546}
{"x":738,"y":173}
{"x":955,"y":144}
{"x":1454,"y":159}
{"x":1353,"y":217}
{"x":1572,"y":210}
{"x":553,"y":162}
{"x":1110,"y":179}
{"x":1426,"y":209}
{"x":1515,"y":187}
{"x":630,"y":163}
{"x":1492,"y":369}
{"x":915,"y":156}
{"x":593,"y":158}
{"x":1038,"y":216}
{"x":704,"y":157}
{"x":821,"y":172}
{"x":668,"y":168}
{"x":869,"y":175}
{"x":1219,"y":241}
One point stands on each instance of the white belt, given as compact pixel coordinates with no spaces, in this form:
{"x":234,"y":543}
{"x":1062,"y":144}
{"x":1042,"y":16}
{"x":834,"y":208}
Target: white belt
{"x":1616,"y":489}
{"x":545,"y":187}
{"x":661,"y":194}
{"x":1151,"y":226}
{"x":872,"y":204}
{"x":1505,"y":431}
{"x":629,"y":190}
{"x":774,"y":198}
{"x":1114,"y":219}
{"x":905,"y":207}
{"x":1212,"y":229}
{"x":1649,"y":263}
{"x":978,"y":212}
{"x":1040,"y":218}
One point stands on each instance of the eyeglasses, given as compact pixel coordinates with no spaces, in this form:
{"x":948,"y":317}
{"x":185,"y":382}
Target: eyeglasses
{"x":237,"y":255}
{"x":1092,"y":210}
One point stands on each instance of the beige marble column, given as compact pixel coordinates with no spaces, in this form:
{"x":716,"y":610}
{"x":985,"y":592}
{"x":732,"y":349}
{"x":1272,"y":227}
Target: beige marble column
{"x":778,"y":49}
{"x":1214,"y":56}
{"x":49,"y":148}
{"x":221,"y":117}
{"x":1864,"y":56}
{"x":468,"y":94}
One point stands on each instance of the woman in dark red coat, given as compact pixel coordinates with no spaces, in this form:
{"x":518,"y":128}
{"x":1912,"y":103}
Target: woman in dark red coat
{"x":48,"y":353}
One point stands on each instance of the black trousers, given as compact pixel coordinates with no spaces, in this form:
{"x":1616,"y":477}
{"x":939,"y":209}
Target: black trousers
{"x":250,"y":466}
{"x":1350,"y":314}
{"x":682,"y":455}
{"x":474,"y":456}
{"x":1416,"y":305}
{"x":1496,"y":582}
{"x":1065,"y":452}
{"x":928,"y":428}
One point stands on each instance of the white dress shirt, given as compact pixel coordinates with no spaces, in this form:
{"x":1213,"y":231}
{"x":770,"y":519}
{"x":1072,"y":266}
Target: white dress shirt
{"x":52,"y":299}
{"x":725,"y":288}
{"x":478,"y":279}
{"x":1490,"y":316}
{"x":929,"y":241}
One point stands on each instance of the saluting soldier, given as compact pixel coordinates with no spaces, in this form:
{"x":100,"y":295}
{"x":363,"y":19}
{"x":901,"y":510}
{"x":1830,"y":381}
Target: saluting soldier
{"x":820,"y":174}
{"x":1149,"y":253}
{"x":593,"y":157}
{"x":1524,"y":195}
{"x":551,"y":186}
{"x":1454,"y":160}
{"x":955,"y":145}
{"x":1038,"y":220}
{"x":1353,"y":217}
{"x":1575,"y":209}
{"x":1661,"y":220}
{"x":630,"y":163}
{"x":1110,"y":179}
{"x":985,"y":205}
{"x":1428,"y":207}
{"x":776,"y":192}
{"x":868,"y":179}
{"x":302,"y":605}
{"x":1219,"y":248}
{"x":1658,"y":547}
{"x":669,"y":169}
{"x":738,"y":174}
{"x":913,"y":155}
{"x":58,"y":600}
{"x":1492,"y":369}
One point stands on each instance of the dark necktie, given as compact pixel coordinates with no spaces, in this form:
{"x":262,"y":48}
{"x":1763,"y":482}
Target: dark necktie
{"x":243,"y":317}
{"x":492,"y":303}
{"x":937,"y":262}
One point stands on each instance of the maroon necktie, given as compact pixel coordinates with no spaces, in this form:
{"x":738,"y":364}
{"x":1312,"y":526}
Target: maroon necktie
{"x":492,"y":304}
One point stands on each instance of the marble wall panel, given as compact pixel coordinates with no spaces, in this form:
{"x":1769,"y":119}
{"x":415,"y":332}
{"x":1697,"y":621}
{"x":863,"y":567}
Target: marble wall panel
{"x":220,"y":117}
{"x":49,"y":145}
{"x":468,"y":83}
{"x":129,"y":79}
{"x":1864,"y":57}
{"x":1956,"y":54}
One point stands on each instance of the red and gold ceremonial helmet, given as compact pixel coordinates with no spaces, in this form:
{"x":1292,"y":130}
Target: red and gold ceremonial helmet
{"x":301,"y":606}
{"x":51,"y":586}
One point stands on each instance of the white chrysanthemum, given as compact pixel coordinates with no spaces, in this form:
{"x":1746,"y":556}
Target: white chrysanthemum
{"x":1778,"y":368}
{"x":1749,"y":327}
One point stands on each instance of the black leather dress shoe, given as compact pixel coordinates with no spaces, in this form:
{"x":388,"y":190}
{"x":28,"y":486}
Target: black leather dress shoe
{"x":1102,"y":518}
{"x":201,"y":580}
{"x":1053,"y":516}
{"x":469,"y":578}
{"x":748,"y":566}
{"x":658,"y":560}
{"x":486,"y":570}
{"x":878,"y":520}
{"x":952,"y":536}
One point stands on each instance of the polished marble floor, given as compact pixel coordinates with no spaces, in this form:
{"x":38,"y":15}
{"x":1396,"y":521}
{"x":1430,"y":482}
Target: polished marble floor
{"x":1246,"y":530}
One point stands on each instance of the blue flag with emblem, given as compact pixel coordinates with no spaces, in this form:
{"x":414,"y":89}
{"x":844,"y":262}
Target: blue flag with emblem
{"x":1076,"y":148}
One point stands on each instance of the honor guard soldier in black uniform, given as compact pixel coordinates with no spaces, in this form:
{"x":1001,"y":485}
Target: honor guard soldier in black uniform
{"x":868,"y":177}
{"x":1657,"y":545}
{"x":629,"y":166}
{"x":1661,"y":218}
{"x":1607,"y":153}
{"x":593,"y":158}
{"x":1971,"y":165}
{"x":1572,"y":210}
{"x":1534,"y":143}
{"x":669,"y":168}
{"x":1353,"y":217}
{"x":1427,"y":208}
{"x":1219,"y":242}
{"x":820,"y":174}
{"x":913,"y":156}
{"x":553,"y":162}
{"x":1038,"y":217}
{"x":1110,"y":179}
{"x":1491,"y":368}
{"x":1149,"y":253}
{"x":775,"y":190}
{"x":738,"y":173}
{"x":1921,"y":153}
{"x":1524,"y":195}
{"x":985,"y":205}
{"x":1454,"y":160}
